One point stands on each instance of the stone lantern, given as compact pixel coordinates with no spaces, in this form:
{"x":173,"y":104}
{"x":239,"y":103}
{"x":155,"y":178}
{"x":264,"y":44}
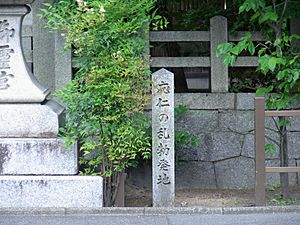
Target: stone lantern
{"x":36,"y":170}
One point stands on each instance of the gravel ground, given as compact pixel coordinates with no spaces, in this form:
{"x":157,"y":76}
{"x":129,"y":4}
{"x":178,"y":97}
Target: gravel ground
{"x":141,"y":197}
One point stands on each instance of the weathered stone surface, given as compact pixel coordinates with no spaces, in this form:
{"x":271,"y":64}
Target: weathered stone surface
{"x":219,"y":72}
{"x":293,"y":145}
{"x":239,"y":121}
{"x":219,"y":146}
{"x":141,"y":176}
{"x":245,"y":101}
{"x":235,"y":173}
{"x":295,"y":124}
{"x":248,"y":148}
{"x":17,"y":83}
{"x":195,"y":174}
{"x":274,"y":178}
{"x":189,"y":152}
{"x":51,"y":191}
{"x":63,"y":62}
{"x":29,"y":120}
{"x":36,"y":156}
{"x":198,"y":121}
{"x":163,"y":136}
{"x":43,"y":48}
{"x":15,"y":2}
{"x":206,"y":100}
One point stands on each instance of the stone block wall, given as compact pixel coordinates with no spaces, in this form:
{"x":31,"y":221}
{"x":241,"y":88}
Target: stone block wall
{"x":224,"y":158}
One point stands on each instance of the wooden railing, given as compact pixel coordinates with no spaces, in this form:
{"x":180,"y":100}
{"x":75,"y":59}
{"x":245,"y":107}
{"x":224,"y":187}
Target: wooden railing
{"x":218,"y":34}
{"x":260,"y":167}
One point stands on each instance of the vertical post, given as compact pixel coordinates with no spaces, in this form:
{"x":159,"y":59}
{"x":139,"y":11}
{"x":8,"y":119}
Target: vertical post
{"x":52,"y":63}
{"x":163,"y":158}
{"x":219,"y":72}
{"x":43,"y":48}
{"x":260,"y":173}
{"x":63,"y":62}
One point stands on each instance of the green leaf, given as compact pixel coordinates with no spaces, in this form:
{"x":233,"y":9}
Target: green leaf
{"x":251,"y":48}
{"x":268,"y":16}
{"x":272,"y":63}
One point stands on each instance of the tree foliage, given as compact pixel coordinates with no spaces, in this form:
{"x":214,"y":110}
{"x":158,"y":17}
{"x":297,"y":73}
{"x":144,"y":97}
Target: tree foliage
{"x":106,"y":99}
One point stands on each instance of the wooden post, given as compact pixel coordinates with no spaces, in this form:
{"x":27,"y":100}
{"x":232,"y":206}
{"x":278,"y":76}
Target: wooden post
{"x":219,"y":72}
{"x":260,"y":175}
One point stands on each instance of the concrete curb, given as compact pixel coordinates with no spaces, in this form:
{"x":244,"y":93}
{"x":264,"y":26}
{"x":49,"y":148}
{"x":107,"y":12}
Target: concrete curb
{"x":150,"y":211}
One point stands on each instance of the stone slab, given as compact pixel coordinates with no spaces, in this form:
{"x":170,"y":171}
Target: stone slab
{"x":29,"y":120}
{"x":206,"y":100}
{"x":197,"y":121}
{"x":195,"y":174}
{"x":36,"y":156}
{"x":248,"y":148}
{"x":293,"y":145}
{"x":238,"y":121}
{"x":236,"y":172}
{"x":51,"y":191}
{"x":219,"y":146}
{"x":245,"y":101}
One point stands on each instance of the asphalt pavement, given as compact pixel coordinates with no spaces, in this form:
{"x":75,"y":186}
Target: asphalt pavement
{"x":153,"y":216}
{"x":253,"y":219}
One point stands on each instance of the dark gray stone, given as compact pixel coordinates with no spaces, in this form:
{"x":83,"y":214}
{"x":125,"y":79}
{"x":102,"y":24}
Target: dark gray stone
{"x":295,"y":124}
{"x":239,"y":121}
{"x":293,"y":145}
{"x":248,"y":148}
{"x":206,"y":100}
{"x":245,"y":101}
{"x":195,"y":174}
{"x":212,"y":147}
{"x":237,"y":172}
{"x":224,"y":145}
{"x":198,"y":121}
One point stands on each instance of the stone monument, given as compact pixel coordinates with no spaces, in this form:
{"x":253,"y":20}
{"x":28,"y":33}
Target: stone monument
{"x":35,"y":168}
{"x":163,"y":180}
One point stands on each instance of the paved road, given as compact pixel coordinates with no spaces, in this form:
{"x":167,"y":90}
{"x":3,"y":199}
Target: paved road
{"x":253,"y":219}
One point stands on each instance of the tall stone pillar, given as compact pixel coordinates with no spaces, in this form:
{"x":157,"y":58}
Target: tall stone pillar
{"x":36,"y":170}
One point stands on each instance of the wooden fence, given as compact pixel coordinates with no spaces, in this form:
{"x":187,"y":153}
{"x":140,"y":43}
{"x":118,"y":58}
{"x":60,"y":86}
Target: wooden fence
{"x":218,"y":34}
{"x":260,"y":167}
{"x":53,"y":67}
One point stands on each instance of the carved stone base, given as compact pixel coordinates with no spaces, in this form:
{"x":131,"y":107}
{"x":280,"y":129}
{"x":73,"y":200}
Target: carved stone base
{"x":51,"y":191}
{"x":36,"y":156}
{"x":29,"y":120}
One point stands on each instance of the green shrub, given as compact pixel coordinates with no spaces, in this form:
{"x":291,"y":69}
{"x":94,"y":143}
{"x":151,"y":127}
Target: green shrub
{"x":105,"y":100}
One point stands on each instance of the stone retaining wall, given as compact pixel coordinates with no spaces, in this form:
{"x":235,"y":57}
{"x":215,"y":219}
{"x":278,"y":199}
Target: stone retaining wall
{"x":224,"y":122}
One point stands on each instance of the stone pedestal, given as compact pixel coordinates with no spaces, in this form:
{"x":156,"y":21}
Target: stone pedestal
{"x":29,"y":149}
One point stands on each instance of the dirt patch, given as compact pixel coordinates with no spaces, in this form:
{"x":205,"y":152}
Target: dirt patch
{"x":141,"y":197}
